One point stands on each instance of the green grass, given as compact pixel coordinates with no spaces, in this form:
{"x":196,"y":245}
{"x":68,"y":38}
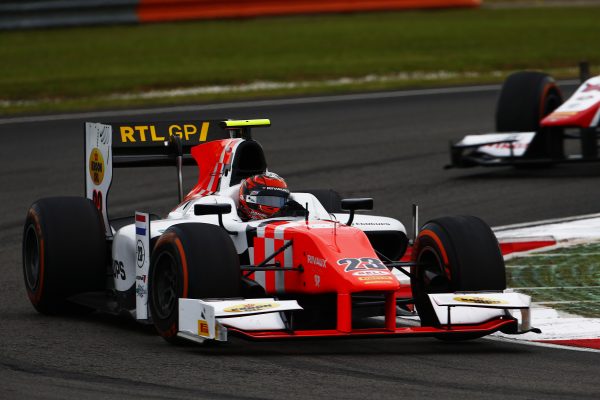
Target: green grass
{"x":571,"y":275}
{"x":78,"y":67}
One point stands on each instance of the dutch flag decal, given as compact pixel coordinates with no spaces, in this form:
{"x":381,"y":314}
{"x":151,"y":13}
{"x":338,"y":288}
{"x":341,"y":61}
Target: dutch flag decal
{"x":140,"y":224}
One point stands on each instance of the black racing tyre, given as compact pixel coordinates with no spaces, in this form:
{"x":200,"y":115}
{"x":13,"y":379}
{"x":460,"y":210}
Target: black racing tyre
{"x":330,"y":199}
{"x":454,"y":254}
{"x":526,"y":97}
{"x":64,"y":252}
{"x":190,"y":260}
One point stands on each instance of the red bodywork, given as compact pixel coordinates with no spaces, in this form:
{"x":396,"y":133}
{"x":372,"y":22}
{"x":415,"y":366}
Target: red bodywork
{"x":580,"y":110}
{"x":325,"y":257}
{"x":581,"y":119}
{"x":211,"y":157}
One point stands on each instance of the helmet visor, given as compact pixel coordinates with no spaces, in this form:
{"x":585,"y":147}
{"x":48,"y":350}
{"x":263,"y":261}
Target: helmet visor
{"x":270,"y":201}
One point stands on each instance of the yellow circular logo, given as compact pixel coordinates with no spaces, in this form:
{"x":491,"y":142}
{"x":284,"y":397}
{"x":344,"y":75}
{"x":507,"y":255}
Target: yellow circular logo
{"x":252,"y":307}
{"x":96,"y":166}
{"x":478,"y":300}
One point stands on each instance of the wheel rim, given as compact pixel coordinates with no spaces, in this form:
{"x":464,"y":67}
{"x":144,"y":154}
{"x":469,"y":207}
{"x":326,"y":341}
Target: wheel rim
{"x":433,"y":275}
{"x":32,"y":258}
{"x":164,"y":293}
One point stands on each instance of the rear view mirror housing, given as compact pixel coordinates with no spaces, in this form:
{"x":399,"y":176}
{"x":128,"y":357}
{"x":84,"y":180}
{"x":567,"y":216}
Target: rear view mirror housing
{"x":356,"y":204}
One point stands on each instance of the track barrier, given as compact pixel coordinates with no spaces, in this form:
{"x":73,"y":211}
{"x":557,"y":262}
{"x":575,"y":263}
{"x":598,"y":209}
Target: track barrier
{"x":27,"y":14}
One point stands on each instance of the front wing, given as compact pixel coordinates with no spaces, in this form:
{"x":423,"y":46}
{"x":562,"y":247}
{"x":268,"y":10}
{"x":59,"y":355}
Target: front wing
{"x":460,"y":314}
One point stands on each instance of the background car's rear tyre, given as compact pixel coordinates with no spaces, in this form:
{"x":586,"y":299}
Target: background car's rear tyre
{"x":330,"y":199}
{"x":454,"y":254}
{"x":526,"y":97}
{"x":190,"y":260}
{"x":64,"y":252}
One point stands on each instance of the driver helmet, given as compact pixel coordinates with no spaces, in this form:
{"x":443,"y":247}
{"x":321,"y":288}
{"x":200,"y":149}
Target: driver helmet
{"x":261,"y":196}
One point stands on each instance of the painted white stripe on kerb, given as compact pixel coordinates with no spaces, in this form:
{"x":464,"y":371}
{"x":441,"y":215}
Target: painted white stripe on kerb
{"x":553,"y":287}
{"x":565,"y":302}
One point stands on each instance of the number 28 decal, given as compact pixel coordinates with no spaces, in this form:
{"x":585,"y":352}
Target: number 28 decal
{"x":364,"y":263}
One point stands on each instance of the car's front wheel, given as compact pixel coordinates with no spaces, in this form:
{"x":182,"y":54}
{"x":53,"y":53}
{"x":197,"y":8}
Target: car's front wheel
{"x":190,"y":260}
{"x":454,"y":254}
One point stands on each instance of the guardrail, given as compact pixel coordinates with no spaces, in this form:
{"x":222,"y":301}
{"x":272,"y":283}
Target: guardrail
{"x":171,"y":10}
{"x":54,"y":13}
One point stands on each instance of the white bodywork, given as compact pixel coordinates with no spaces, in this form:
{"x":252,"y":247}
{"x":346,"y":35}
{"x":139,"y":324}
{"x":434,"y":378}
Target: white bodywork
{"x":470,"y":308}
{"x":586,"y":97}
{"x":203,"y":318}
{"x":124,"y":242}
{"x":499,"y":144}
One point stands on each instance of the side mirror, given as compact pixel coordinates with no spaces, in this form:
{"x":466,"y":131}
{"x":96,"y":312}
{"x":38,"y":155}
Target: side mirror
{"x":212,"y":209}
{"x":356,"y":204}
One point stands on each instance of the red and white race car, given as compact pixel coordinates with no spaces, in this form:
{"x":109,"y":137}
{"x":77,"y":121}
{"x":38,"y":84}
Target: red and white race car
{"x":534,"y":124}
{"x":203,"y":273}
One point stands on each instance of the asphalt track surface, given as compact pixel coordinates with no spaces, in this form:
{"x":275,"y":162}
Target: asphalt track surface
{"x":388,"y":147}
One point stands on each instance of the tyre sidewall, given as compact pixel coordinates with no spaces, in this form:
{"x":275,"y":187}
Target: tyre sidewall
{"x":523,"y":101}
{"x":170,"y":244}
{"x":72,"y":252}
{"x":207,"y":266}
{"x":469,"y":254}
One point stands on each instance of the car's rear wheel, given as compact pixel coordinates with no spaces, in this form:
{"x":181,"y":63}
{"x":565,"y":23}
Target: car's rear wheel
{"x":64,"y":252}
{"x":526,"y":97}
{"x":191,"y":260}
{"x":454,"y":254}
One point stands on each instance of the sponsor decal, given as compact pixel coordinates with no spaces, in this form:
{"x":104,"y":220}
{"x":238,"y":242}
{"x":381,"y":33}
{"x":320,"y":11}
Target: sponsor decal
{"x":563,"y":113}
{"x":319,"y":262}
{"x":140,"y":225}
{"x":141,"y":254}
{"x":140,"y":291}
{"x":504,"y":146}
{"x":591,"y":88}
{"x":359,"y":264}
{"x":118,"y":270}
{"x":317,"y":281}
{"x":375,"y":278}
{"x":478,"y":300}
{"x":103,"y":136}
{"x":372,"y":223}
{"x":150,"y":133}
{"x":371,"y":273}
{"x":203,"y":328}
{"x":251,"y":307}
{"x":96,"y":166}
{"x":142,"y":278}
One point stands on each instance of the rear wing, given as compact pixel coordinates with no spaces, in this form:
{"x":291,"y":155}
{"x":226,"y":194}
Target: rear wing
{"x":148,"y":144}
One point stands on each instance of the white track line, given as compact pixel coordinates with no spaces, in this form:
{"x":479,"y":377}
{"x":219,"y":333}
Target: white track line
{"x":553,"y":287}
{"x":543,"y":303}
{"x":261,"y":103}
{"x":543,"y":222}
{"x":252,"y":104}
